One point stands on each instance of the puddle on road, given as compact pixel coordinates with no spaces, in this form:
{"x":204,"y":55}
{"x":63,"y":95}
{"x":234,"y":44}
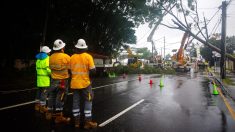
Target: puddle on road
{"x":157,"y":76}
{"x":179,"y":83}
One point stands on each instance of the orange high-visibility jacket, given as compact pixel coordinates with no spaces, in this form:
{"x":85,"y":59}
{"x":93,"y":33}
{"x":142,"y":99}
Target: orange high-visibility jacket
{"x":59,"y":65}
{"x":80,"y":65}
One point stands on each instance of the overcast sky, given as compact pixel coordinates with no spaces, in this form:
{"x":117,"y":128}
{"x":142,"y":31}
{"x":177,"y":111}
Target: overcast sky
{"x":173,"y":36}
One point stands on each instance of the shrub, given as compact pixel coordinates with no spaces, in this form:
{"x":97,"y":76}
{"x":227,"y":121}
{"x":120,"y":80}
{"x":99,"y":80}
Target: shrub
{"x":146,"y":70}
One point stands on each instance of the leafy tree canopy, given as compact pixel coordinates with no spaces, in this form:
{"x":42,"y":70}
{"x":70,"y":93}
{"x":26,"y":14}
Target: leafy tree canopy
{"x":206,"y":52}
{"x":145,"y":51}
{"x":104,"y":24}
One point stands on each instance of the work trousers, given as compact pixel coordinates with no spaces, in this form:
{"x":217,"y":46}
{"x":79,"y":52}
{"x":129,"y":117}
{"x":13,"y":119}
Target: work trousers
{"x":82,"y":103}
{"x":41,"y":95}
{"x":57,"y":95}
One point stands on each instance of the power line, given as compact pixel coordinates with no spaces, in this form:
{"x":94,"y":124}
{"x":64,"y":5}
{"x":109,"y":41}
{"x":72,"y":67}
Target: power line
{"x":214,"y":15}
{"x":159,"y":39}
{"x":229,"y":3}
{"x":208,"y":8}
{"x":170,"y":43}
{"x":143,"y":36}
{"x":166,"y":45}
{"x":215,"y":27}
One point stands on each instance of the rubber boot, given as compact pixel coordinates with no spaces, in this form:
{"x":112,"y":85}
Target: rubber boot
{"x":43,"y":109}
{"x":61,"y":119}
{"x":37,"y":107}
{"x":48,"y":115}
{"x":90,"y":124}
{"x":77,"y":122}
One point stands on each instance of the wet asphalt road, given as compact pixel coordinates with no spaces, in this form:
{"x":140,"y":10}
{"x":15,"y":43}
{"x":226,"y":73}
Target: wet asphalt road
{"x":184,"y":104}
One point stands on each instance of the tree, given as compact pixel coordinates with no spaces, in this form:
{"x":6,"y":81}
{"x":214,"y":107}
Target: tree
{"x":105,"y":25}
{"x":191,"y":19}
{"x":145,"y":51}
{"x":168,"y":56}
{"x":193,"y":51}
{"x":206,"y":52}
{"x":230,"y":44}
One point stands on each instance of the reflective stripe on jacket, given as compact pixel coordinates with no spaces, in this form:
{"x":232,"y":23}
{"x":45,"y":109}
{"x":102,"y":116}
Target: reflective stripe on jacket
{"x":59,"y":65}
{"x":80,"y":65}
{"x":43,"y":70}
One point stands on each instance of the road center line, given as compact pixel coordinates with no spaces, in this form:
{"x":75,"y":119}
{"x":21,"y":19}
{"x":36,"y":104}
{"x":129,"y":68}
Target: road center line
{"x":119,"y":114}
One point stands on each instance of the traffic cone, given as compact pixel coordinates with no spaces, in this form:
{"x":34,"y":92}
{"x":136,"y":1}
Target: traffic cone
{"x":161,"y":83}
{"x":215,"y":91}
{"x":161,"y":89}
{"x":124,"y":75}
{"x":140,"y":78}
{"x":150,"y":81}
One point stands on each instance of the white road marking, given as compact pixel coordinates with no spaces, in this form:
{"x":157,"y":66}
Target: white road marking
{"x":112,"y":84}
{"x":119,"y":114}
{"x":15,"y":91}
{"x":13,"y":106}
{"x":31,"y":102}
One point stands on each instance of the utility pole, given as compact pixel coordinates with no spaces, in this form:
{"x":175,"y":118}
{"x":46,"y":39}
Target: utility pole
{"x":207,"y":36}
{"x":164,"y":49}
{"x":223,"y":42}
{"x":45,"y":24}
{"x":164,"y":53}
{"x":152,"y":51}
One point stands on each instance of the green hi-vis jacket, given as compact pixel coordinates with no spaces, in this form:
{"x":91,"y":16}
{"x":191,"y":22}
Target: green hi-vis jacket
{"x":43,"y":70}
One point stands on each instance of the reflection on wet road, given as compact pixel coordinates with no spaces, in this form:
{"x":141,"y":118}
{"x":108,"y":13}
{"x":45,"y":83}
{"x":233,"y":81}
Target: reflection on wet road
{"x":183,"y":104}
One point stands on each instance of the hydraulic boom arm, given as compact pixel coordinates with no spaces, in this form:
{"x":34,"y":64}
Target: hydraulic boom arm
{"x":180,"y":54}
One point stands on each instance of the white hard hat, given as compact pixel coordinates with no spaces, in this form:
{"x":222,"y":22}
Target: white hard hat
{"x":58,"y":44}
{"x":45,"y":49}
{"x":81,"y":44}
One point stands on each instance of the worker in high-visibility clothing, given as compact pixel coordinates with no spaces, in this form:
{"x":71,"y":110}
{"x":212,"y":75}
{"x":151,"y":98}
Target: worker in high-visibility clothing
{"x":59,"y":64}
{"x":82,"y":69}
{"x":43,"y":78}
